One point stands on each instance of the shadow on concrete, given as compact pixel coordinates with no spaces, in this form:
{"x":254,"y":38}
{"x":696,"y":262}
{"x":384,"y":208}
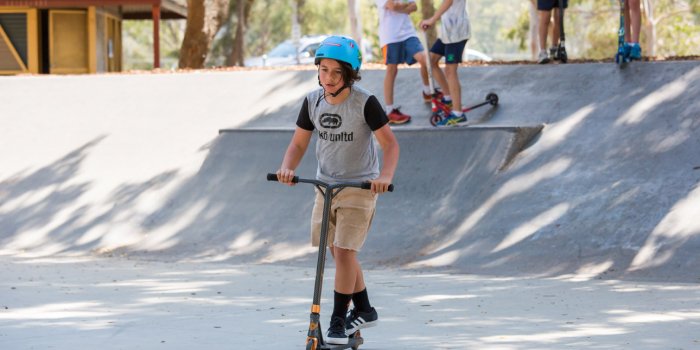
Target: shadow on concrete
{"x":609,"y":188}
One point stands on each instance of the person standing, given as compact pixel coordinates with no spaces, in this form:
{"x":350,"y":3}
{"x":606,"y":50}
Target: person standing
{"x":399,"y":42}
{"x":544,"y":11}
{"x":347,"y":121}
{"x":455,"y":31}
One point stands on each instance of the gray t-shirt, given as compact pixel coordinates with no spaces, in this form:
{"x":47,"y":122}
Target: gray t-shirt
{"x":345,"y":146}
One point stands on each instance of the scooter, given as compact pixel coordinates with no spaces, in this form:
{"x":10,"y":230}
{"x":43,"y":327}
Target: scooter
{"x":561,"y":49}
{"x":620,"y":58}
{"x":314,"y":338}
{"x":439,"y":110}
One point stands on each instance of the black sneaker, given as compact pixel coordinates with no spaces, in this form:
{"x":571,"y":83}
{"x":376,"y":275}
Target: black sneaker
{"x":336,"y":332}
{"x":357,"y":320}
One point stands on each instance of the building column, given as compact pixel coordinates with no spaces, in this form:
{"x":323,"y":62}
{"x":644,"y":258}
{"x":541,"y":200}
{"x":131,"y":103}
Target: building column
{"x":156,"y":35}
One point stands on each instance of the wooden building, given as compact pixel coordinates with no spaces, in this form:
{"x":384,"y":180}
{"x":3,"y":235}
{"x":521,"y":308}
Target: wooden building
{"x":74,"y":36}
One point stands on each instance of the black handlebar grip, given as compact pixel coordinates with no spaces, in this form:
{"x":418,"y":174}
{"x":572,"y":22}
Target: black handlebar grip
{"x":273,"y":177}
{"x":368,"y":186}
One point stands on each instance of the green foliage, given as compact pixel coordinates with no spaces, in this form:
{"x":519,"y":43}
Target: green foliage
{"x":499,"y":28}
{"x":592,"y":26}
{"x":138,"y":43}
{"x":520,"y":31}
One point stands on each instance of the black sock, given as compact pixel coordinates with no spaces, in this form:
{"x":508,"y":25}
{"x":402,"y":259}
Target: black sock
{"x":340,"y":305}
{"x":361,"y":301}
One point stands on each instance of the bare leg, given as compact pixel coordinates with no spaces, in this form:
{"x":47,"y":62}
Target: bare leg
{"x":347,"y":271}
{"x":389,"y":78}
{"x":455,"y":88}
{"x":438,"y":74}
{"x":635,"y":15}
{"x":544,"y":27}
{"x":420,"y":57}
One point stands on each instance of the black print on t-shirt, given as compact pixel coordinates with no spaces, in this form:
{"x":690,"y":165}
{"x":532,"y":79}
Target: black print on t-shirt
{"x":330,"y":121}
{"x":343,"y":136}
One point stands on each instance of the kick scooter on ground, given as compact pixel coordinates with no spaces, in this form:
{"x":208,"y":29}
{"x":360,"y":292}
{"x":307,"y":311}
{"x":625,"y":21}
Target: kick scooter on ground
{"x":621,"y":58}
{"x":439,"y":109}
{"x":314,"y":338}
{"x":561,"y":48}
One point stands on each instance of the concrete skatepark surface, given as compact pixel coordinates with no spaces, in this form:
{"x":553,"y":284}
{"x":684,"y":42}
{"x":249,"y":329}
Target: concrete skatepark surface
{"x":584,"y":178}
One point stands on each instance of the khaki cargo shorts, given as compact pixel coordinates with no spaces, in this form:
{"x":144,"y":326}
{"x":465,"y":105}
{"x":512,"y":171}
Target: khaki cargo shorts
{"x":351,"y":215}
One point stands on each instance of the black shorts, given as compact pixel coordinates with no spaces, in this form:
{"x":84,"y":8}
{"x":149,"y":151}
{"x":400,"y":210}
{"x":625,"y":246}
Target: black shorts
{"x":548,"y":5}
{"x":452,"y":52}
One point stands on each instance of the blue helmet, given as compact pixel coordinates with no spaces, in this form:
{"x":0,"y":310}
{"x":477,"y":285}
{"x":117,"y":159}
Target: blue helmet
{"x":342,"y":49}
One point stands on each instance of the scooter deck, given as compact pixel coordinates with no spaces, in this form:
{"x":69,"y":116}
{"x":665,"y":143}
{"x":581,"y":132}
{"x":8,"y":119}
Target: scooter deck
{"x":353,"y":343}
{"x":350,"y":345}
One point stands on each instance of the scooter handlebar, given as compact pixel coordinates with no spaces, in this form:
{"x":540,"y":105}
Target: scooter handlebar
{"x":273,"y":177}
{"x":365,"y":185}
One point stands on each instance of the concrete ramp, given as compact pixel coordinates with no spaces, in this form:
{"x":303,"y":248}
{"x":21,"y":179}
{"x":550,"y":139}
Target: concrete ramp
{"x":269,"y":222}
{"x":583,"y":169}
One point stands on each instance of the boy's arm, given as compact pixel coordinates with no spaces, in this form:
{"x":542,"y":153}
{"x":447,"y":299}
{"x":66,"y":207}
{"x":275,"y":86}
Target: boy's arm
{"x":427,"y":23}
{"x":390,"y":148}
{"x":407,"y":7}
{"x":295,"y":152}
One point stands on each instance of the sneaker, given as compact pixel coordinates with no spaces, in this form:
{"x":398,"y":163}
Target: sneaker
{"x":635,"y":52}
{"x":553,"y":53}
{"x":336,"y":332}
{"x":453,"y":120}
{"x":428,"y":98}
{"x":543,"y":57}
{"x":626,"y":50}
{"x":357,"y":320}
{"x":396,"y":117}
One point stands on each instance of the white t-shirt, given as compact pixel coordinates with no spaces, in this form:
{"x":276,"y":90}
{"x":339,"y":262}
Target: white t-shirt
{"x":454,"y":23}
{"x":394,"y":26}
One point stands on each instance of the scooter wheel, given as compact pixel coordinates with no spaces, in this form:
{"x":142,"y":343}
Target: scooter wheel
{"x":311,"y":344}
{"x":435,"y":118}
{"x":492,"y":98}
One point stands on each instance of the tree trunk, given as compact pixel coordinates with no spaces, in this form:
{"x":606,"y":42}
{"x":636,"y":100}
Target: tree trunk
{"x":428,"y":10}
{"x":204,"y":18}
{"x":355,"y":22}
{"x":238,"y":52}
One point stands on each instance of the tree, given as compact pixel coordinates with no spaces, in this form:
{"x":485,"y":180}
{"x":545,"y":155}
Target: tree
{"x":237,"y":56}
{"x":204,"y":18}
{"x":427,"y":11}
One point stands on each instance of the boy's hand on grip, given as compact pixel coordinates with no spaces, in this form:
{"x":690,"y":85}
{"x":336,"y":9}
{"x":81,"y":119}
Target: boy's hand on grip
{"x":285,"y":176}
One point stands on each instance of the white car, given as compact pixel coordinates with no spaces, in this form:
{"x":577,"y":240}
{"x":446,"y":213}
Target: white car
{"x":474,"y":55}
{"x":284,"y":54}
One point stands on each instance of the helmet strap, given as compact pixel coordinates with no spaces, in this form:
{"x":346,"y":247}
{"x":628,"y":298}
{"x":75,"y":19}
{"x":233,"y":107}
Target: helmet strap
{"x":318,"y":77}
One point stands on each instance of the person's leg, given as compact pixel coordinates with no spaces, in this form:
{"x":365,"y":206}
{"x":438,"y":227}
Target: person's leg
{"x":635,"y":14}
{"x":347,"y":269}
{"x":633,"y":23}
{"x":544,"y":17}
{"x":436,"y":53}
{"x":628,"y":36}
{"x":389,"y":78}
{"x":420,"y":57}
{"x":556,"y":28}
{"x":455,"y":88}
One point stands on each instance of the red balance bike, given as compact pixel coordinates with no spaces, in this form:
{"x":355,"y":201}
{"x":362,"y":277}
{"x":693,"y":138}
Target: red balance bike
{"x":314,"y":338}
